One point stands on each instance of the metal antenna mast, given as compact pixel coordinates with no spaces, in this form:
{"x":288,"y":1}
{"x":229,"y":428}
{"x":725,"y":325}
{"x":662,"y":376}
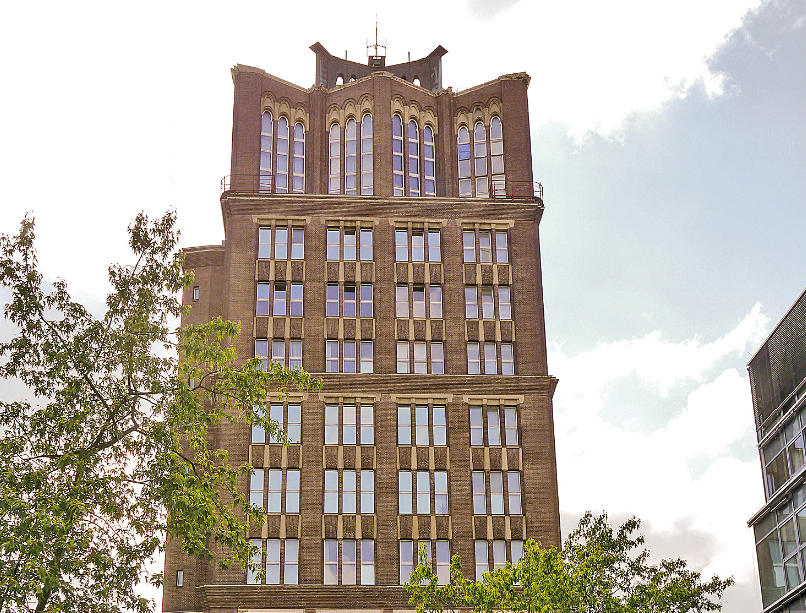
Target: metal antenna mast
{"x":376,"y":46}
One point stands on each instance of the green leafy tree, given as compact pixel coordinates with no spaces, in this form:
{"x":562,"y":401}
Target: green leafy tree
{"x":108,"y":454}
{"x":599,"y":570}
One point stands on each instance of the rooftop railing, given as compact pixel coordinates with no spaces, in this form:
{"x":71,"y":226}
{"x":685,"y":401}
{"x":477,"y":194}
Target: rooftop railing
{"x":266,"y":185}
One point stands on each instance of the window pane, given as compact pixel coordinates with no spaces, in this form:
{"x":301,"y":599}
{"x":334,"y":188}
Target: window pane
{"x":403,"y":357}
{"x":434,"y":254}
{"x":417,"y":246}
{"x":423,"y":493}
{"x":471,"y":302}
{"x":366,"y":301}
{"x":437,"y":358}
{"x":331,"y":562}
{"x":332,"y":356}
{"x":367,"y":491}
{"x":481,"y":559}
{"x":514,"y":487}
{"x":275,"y":491}
{"x":367,"y":425}
{"x":441,"y":492}
{"x":281,"y":243}
{"x":276,"y":415}
{"x":367,"y":562}
{"x":420,"y":363}
{"x":367,"y":352}
{"x":418,"y":301}
{"x":440,"y":437}
{"x":487,"y":308}
{"x":404,"y":488}
{"x":504,"y":306}
{"x":333,"y":236}
{"x":497,"y":493}
{"x":331,"y":424}
{"x":517,"y":551}
{"x":292,"y":491}
{"x":331,"y":491}
{"x":421,"y":422}
{"x":493,"y":428}
{"x":490,"y":359}
{"x":402,"y":301}
{"x":473,"y":359}
{"x":406,"y":560}
{"x":291,"y":570}
{"x":348,"y":425}
{"x":403,"y":425}
{"x":501,"y":248}
{"x":485,"y":246}
{"x":349,"y":244}
{"x":349,"y":301}
{"x":348,"y":493}
{"x":401,"y":245}
{"x":476,"y":427}
{"x":511,"y":427}
{"x":349,"y":361}
{"x":366,"y":245}
{"x":255,"y":559}
{"x":469,"y":245}
{"x":256,"y":488}
{"x":435,"y":301}
{"x":258,"y":432}
{"x":479,"y":495}
{"x":443,"y":562}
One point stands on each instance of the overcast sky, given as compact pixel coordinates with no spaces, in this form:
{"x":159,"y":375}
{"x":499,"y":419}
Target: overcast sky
{"x":670,"y":139}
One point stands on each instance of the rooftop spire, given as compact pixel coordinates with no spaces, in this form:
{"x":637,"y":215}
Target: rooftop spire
{"x":376,"y":59}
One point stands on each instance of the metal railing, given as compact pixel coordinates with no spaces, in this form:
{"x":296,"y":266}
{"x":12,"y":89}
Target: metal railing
{"x":265,"y":184}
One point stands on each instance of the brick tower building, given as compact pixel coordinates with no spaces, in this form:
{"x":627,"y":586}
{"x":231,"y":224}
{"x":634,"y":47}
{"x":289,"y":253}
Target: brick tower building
{"x":381,"y":232}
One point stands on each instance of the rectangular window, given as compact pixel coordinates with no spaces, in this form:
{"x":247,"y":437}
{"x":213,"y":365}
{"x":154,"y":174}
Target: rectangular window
{"x":262,"y":351}
{"x":418,"y":302}
{"x":401,"y":245}
{"x":443,"y":562}
{"x":195,"y":299}
{"x":296,"y":300}
{"x":434,"y":254}
{"x":367,"y":491}
{"x":331,"y":491}
{"x":333,"y":247}
{"x":406,"y":560}
{"x":256,"y":488}
{"x":255,"y":562}
{"x":366,"y":300}
{"x":332,"y":300}
{"x":402,"y":357}
{"x":367,"y":425}
{"x":276,"y":415}
{"x":264,"y":243}
{"x":511,"y":426}
{"x":440,"y":427}
{"x":437,"y":358}
{"x":294,"y":428}
{"x":367,"y":357}
{"x":490,"y":359}
{"x":291,"y":569}
{"x":331,"y":424}
{"x":348,"y":430}
{"x":348,"y":492}
{"x":297,"y":244}
{"x":487,"y":305}
{"x":417,"y":246}
{"x":476,"y":427}
{"x":180,"y":578}
{"x":504,"y":304}
{"x":404,"y":493}
{"x":497,"y":493}
{"x":423,"y":493}
{"x":279,"y":299}
{"x":349,"y":244}
{"x":499,"y":554}
{"x":402,"y":301}
{"x":262,"y":303}
{"x":281,"y":243}
{"x":469,"y":245}
{"x":514,"y":490}
{"x":273,"y":561}
{"x":507,"y":359}
{"x":420,"y":361}
{"x":516,"y":548}
{"x":479,"y":494}
{"x":367,"y":562}
{"x":331,"y":559}
{"x":404,"y":425}
{"x":348,"y":562}
{"x":292,"y":490}
{"x":482,"y":565}
{"x":435,"y":302}
{"x":421,"y":424}
{"x":441,"y":492}
{"x":275,"y":491}
{"x":278,"y":352}
{"x":366,"y":245}
{"x":493,"y":428}
{"x":294,"y":354}
{"x":485,"y":246}
{"x":349,"y":360}
{"x":258,"y":432}
{"x":501,"y":248}
{"x":473,"y":359}
{"x":471,"y":302}
{"x":349,"y":303}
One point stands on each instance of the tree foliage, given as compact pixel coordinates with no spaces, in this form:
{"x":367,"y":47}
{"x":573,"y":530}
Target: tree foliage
{"x":109,"y":454}
{"x":599,"y":570}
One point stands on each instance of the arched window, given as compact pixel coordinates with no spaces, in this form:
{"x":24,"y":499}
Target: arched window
{"x":340,"y":80}
{"x":414,"y":159}
{"x":299,"y":158}
{"x":416,"y":81}
{"x":497,"y":157}
{"x":350,"y":158}
{"x":397,"y":155}
{"x":366,"y":155}
{"x":463,"y":147}
{"x":266,"y":138}
{"x":480,"y":160}
{"x":281,"y":176}
{"x":334,"y":156}
{"x":429,"y":168}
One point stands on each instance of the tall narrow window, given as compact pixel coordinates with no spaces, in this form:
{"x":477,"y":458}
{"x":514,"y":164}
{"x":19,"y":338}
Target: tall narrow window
{"x":434,"y":246}
{"x":259,"y":432}
{"x":334,"y":157}
{"x":296,"y":300}
{"x":348,"y":491}
{"x":423,"y":493}
{"x":264,"y":243}
{"x":443,"y":562}
{"x":469,"y":245}
{"x":501,"y":248}
{"x":349,"y":361}
{"x":490,"y":359}
{"x":473,"y":359}
{"x":366,"y":300}
{"x":281,"y":176}
{"x":504,"y":303}
{"x":401,"y":245}
{"x":471,"y":302}
{"x":366,"y":156}
{"x":421,"y":424}
{"x":278,"y":352}
{"x":493,"y":428}
{"x":297,"y":243}
{"x":407,"y":560}
{"x":331,"y":559}
{"x":333,"y":244}
{"x":332,"y":300}
{"x":440,"y":429}
{"x":429,"y":166}
{"x":485,"y":246}
{"x":332,"y":356}
{"x":397,"y":155}
{"x":256,"y":488}
{"x":420,"y":361}
{"x":367,"y":562}
{"x":275,"y":491}
{"x":497,"y":493}
{"x":281,"y":243}
{"x":349,"y":304}
{"x":511,"y":426}
{"x":507,"y":359}
{"x":476,"y":427}
{"x":417,"y":246}
{"x":331,"y":424}
{"x":273,"y":561}
{"x":517,"y":551}
{"x":480,"y":160}
{"x":294,"y":354}
{"x":514,"y":489}
{"x":262,"y":306}
{"x":435,"y":301}
{"x":497,"y":157}
{"x":292,"y":491}
{"x":255,"y":561}
{"x":482,"y":564}
{"x":441,"y":492}
{"x":367,"y":425}
{"x":365,"y":251}
{"x":479,"y":495}
{"x":402,"y":301}
{"x":350,"y":159}
{"x":418,"y":302}
{"x":437,"y":358}
{"x":465,"y":180}
{"x":294,"y":428}
{"x":367,"y":364}
{"x":349,"y":244}
{"x":348,"y":562}
{"x":276,"y":415}
{"x":499,"y":554}
{"x":331,"y":491}
{"x":291,"y":570}
{"x":299,"y":158}
{"x":266,"y":138}
{"x":414,"y":158}
{"x":367,"y":491}
{"x":404,"y":492}
{"x":487,"y":305}
{"x":348,"y":425}
{"x":402,"y":358}
{"x":404,"y":425}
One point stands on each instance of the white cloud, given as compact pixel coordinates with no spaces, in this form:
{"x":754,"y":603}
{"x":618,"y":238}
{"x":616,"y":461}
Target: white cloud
{"x":682,"y":477}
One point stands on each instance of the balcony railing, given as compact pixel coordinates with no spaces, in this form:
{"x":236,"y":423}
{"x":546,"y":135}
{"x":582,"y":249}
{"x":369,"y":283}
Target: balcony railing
{"x":264,"y":184}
